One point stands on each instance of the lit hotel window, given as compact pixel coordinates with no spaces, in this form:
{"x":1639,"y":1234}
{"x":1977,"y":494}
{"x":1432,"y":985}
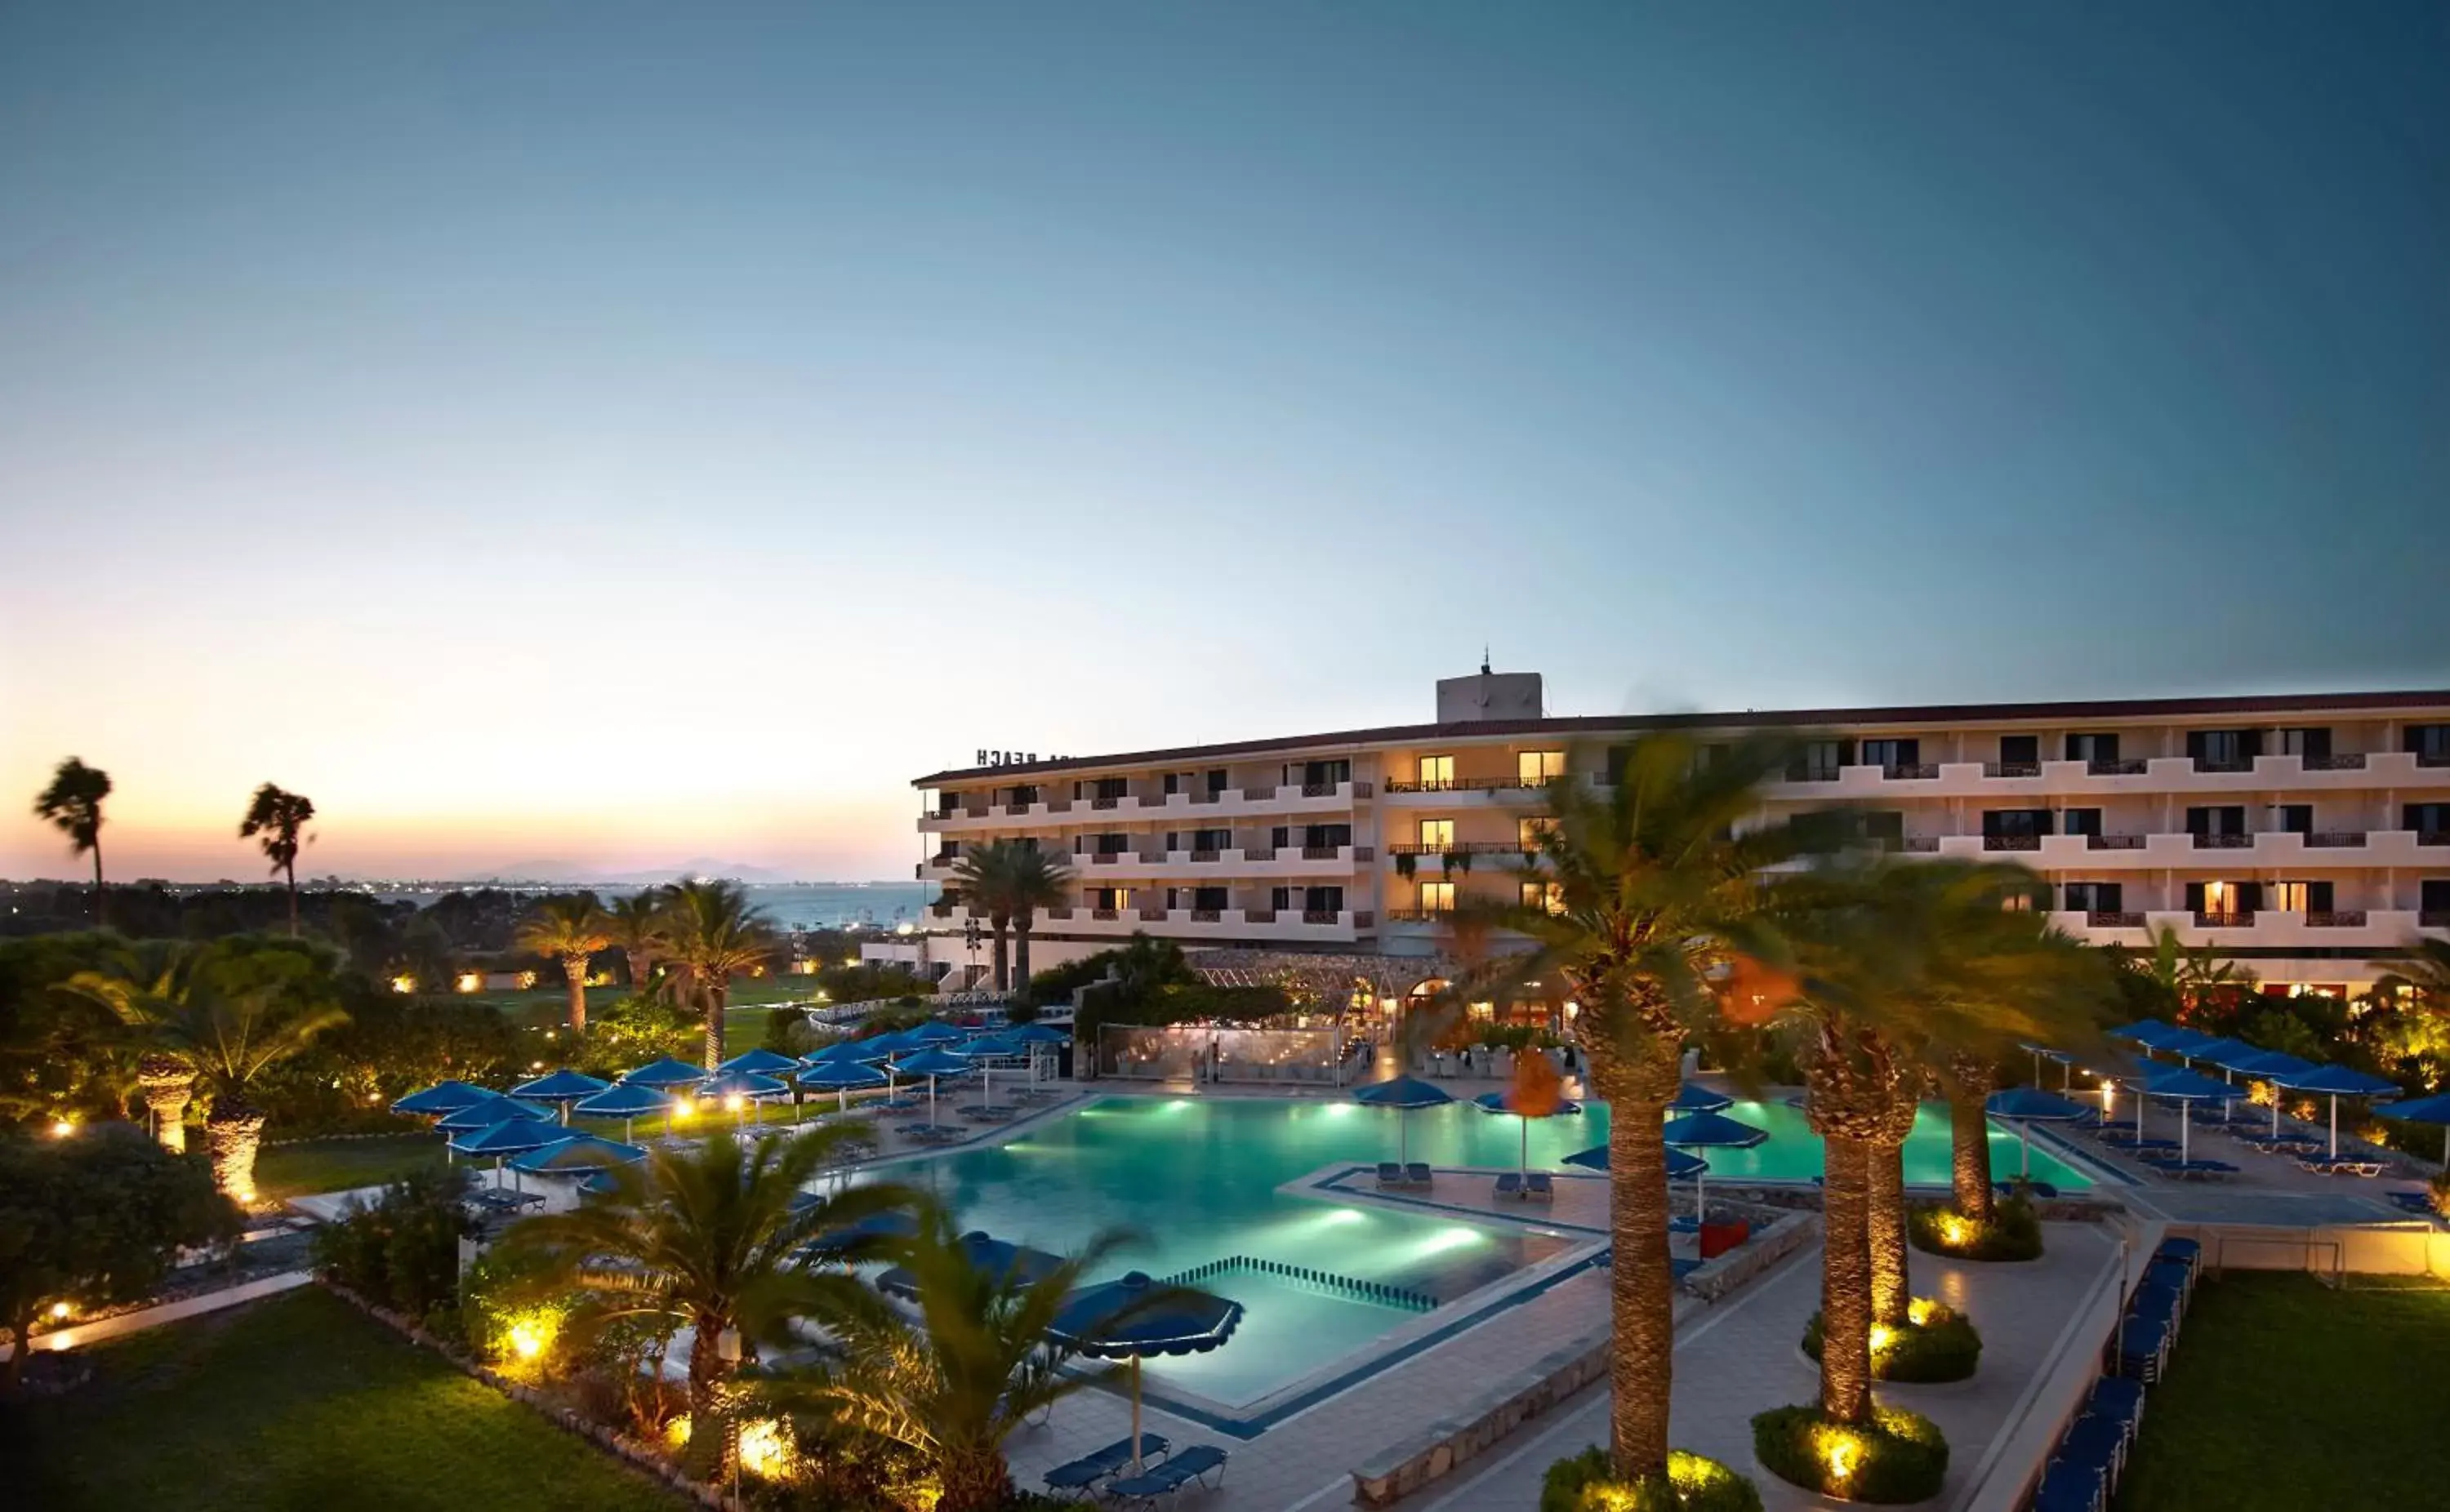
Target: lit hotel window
{"x":1551,"y":896}
{"x":1532,"y":767}
{"x":1437,"y":898}
{"x":1437,"y":834}
{"x":1437,"y":771}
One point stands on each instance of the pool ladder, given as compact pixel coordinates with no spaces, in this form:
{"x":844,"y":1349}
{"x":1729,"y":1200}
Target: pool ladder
{"x":1372,"y":1291}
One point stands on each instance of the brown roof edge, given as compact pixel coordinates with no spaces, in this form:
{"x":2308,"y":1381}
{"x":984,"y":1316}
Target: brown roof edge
{"x":1630,"y":724}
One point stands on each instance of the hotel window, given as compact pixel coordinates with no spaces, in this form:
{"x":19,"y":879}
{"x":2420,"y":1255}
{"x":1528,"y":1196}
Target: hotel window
{"x":2313,"y":744}
{"x":2302,"y":896}
{"x":2429,"y":744}
{"x":1210,"y":898}
{"x":1530,"y":833}
{"x":2228,"y":819}
{"x":1822,"y":761}
{"x":1110,"y":898}
{"x":2090,"y":749}
{"x":1890,"y":754}
{"x":1551,"y":896}
{"x":1437,"y":773}
{"x":2020,"y":750}
{"x":2097,"y":896}
{"x":1437,"y":896}
{"x":2229,"y":899}
{"x":2425,"y":819}
{"x":1437,"y":835}
{"x":2017,"y":903}
{"x":1535,"y":767}
{"x":2224,"y":750}
{"x":2296,"y":819}
{"x":2083,"y":820}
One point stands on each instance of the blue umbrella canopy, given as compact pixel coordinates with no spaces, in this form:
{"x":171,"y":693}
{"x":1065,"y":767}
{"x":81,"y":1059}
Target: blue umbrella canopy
{"x":885,"y":1047}
{"x":2435,"y":1109}
{"x":761,"y":1064}
{"x":513,"y":1136}
{"x":1134,"y":1317}
{"x":668,"y":1072}
{"x":2191,"y":1086}
{"x":494,"y":1108}
{"x":1503,"y":1102}
{"x":444,"y":1097}
{"x":1402,"y":1092}
{"x":742,"y":1084}
{"x":840,"y":1077}
{"x":626,"y":1101}
{"x":998,"y":1257}
{"x":989,"y":1046}
{"x":1042,"y":1035}
{"x":2046,"y":1052}
{"x":1681,"y":1167}
{"x":1694,"y":1097}
{"x":2145,"y":1031}
{"x":2033,"y":1103}
{"x":561,"y":1086}
{"x":875,"y":1225}
{"x":2219,"y":1052}
{"x":937,"y":1032}
{"x":931,"y":1063}
{"x":585,"y":1152}
{"x":841,"y":1053}
{"x":2338,"y":1081}
{"x":1712,"y":1131}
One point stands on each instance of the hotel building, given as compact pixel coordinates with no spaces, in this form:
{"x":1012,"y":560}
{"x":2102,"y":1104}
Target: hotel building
{"x":2305,"y":837}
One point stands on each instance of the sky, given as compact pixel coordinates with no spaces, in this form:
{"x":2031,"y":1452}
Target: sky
{"x":617,"y":434}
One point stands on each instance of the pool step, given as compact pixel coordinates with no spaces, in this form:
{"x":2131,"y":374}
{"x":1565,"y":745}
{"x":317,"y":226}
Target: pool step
{"x":1311,"y":1278}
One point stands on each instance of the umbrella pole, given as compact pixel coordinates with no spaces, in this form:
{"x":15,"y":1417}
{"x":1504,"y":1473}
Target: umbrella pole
{"x":2025,"y":1167}
{"x":2185,"y":1130}
{"x":1135,"y":1412}
{"x":1404,"y":1136}
{"x":1701,"y":1198}
{"x":1523,"y":1157}
{"x":2335,"y":1126}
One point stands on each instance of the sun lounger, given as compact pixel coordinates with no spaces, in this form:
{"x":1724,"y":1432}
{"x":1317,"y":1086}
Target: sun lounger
{"x":1390,"y":1173}
{"x":1077,"y":1477}
{"x":2095,"y":1443}
{"x":2279,"y":1143}
{"x":2031,"y":1189}
{"x":1191,"y":1465}
{"x":1683,"y":1226}
{"x":2419,"y":1203}
{"x":1509,"y":1185}
{"x":1540,"y":1186}
{"x":2341,"y":1166}
{"x":2121,"y":1401}
{"x":2067,"y":1486}
{"x":1416,"y":1173}
{"x":2191,"y":1170}
{"x":2133,"y":1145}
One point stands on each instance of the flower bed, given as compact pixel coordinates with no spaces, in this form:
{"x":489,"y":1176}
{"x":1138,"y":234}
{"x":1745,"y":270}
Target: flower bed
{"x":2014,"y":1232}
{"x":1895,"y":1456}
{"x":1692,"y":1483}
{"x":1938,"y":1343}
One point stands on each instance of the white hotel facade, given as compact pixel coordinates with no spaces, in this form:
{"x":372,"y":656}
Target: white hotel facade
{"x":2307,"y":837}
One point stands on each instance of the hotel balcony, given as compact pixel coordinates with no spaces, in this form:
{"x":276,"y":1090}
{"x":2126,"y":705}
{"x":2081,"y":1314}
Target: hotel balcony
{"x":1258,"y":863}
{"x":2320,"y":851}
{"x":2266,"y":929}
{"x":975,"y":812}
{"x":1471,"y":792}
{"x":2075,"y":782}
{"x":1274,"y":926}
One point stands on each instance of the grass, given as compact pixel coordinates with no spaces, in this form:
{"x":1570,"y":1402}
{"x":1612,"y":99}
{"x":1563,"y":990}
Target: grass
{"x":298,"y":1401}
{"x":2284,"y":1394}
{"x":747,"y":992}
{"x":337,"y":1165}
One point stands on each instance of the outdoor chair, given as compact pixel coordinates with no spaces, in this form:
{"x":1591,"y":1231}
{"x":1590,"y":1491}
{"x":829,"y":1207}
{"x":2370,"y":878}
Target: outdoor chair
{"x":1540,"y":1186}
{"x":2070,"y":1487}
{"x":1189,"y":1467}
{"x":1075,"y":1477}
{"x":1417,"y":1174}
{"x":1509,"y":1185}
{"x":2340,"y":1166}
{"x":2096,"y":1441}
{"x":2120,"y":1402}
{"x":1390,"y":1173}
{"x":2419,"y":1203}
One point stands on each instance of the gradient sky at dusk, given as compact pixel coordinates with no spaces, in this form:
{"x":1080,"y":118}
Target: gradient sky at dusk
{"x":622,"y":434}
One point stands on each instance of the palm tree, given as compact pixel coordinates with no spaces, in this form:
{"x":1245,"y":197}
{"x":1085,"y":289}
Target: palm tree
{"x":1658,"y":895}
{"x":2424,"y":969}
{"x":1036,"y":881}
{"x":2177,"y":974}
{"x":568,"y":928}
{"x":73,"y":803}
{"x":984,"y":876}
{"x":977,"y":1365}
{"x":713,"y":934}
{"x":709,"y":1237}
{"x":635,"y":925}
{"x":228,"y":1021}
{"x":281,"y":819}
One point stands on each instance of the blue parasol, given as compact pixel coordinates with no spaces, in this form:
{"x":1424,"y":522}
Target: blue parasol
{"x":564,"y":1087}
{"x":442,"y":1097}
{"x":2336,"y":1082}
{"x":2435,"y":1109}
{"x":1404,"y":1094}
{"x":513,"y":1136}
{"x":668,"y":1072}
{"x":2188,"y":1086}
{"x":998,"y":1257}
{"x":1135,"y":1316}
{"x":494,"y":1110}
{"x":842,"y":1080}
{"x":624,"y":1101}
{"x":582,"y":1153}
{"x":738,"y":1089}
{"x":1507,"y":1101}
{"x":931,"y":1064}
{"x":1709,"y":1131}
{"x":2026,"y":1107}
{"x":1681,"y":1167}
{"x":1694,"y":1097}
{"x":937,"y":1032}
{"x":760,"y":1063}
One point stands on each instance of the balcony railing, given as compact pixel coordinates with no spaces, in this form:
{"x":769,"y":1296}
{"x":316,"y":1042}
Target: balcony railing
{"x":1205,"y":856}
{"x":1259,"y":853}
{"x":2335,"y":839}
{"x":2432,"y":837}
{"x":1258,"y":916}
{"x":1058,"y":912}
{"x":1207,"y":916}
{"x":1418,"y":915}
{"x":1321,"y":916}
{"x":2206,"y":764}
{"x":2335,"y":919}
{"x":1909,"y":771}
{"x":1106,"y":803}
{"x":2433,"y":918}
{"x":1259,"y":795}
{"x":1319,"y":789}
{"x":1320,"y":852}
{"x":1364,"y":919}
{"x":1454,"y":784}
{"x":2113,"y":843}
{"x":2353,"y":762}
{"x":1103,"y":858}
{"x":2011,"y":842}
{"x":2113,"y":918}
{"x":2011,"y":768}
{"x":1015,"y":810}
{"x":1461,"y":847}
{"x":1920,"y":844}
{"x":1153,"y":916}
{"x":2433,"y":758}
{"x":1364,"y":790}
{"x":2122,"y":766}
{"x":2223,"y":842}
{"x":2234,"y":920}
{"x":1813,"y":774}
{"x":1364,"y":853}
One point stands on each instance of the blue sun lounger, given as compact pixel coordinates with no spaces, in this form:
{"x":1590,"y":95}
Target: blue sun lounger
{"x":2341,"y":1166}
{"x":1390,"y":1173}
{"x":2419,"y":1203}
{"x":1416,"y":1173}
{"x":2067,"y":1486}
{"x":1079,"y":1476}
{"x":1179,"y":1471}
{"x":1509,"y":1185}
{"x":1541,"y":1185}
{"x":2191,"y":1170}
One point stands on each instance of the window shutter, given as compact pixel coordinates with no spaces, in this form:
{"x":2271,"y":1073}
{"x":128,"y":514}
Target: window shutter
{"x":2250,"y":897}
{"x":2195,"y":897}
{"x":2317,"y":897}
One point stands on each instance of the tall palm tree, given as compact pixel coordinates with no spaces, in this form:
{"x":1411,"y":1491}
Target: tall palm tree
{"x":709,"y":1237}
{"x":280,"y":819}
{"x":228,"y":1021}
{"x":976,"y":1367}
{"x":73,"y":803}
{"x":570,"y":928}
{"x":635,"y":925}
{"x":2177,"y":974}
{"x":1037,"y":880}
{"x":714,"y":935}
{"x":1659,"y":894}
{"x":984,"y":874}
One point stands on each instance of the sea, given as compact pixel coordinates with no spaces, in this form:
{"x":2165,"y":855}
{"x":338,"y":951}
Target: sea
{"x":786,"y":906}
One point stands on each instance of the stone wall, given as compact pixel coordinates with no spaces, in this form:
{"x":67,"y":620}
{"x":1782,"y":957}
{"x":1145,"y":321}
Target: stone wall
{"x":1436,"y":1451}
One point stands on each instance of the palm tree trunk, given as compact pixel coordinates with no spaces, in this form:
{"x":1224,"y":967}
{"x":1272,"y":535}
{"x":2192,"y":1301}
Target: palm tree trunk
{"x":641,"y":966}
{"x":1003,"y":967}
{"x":973,"y":1479}
{"x":168,"y":1087}
{"x":1969,"y":1137}
{"x":710,"y":1444}
{"x":1885,"y":1232}
{"x":232,"y":1132}
{"x":291,"y":867}
{"x":715,"y":992}
{"x":575,"y":967}
{"x":1845,"y":1285}
{"x":1021,"y":949}
{"x":101,"y":898}
{"x":1641,"y":1287}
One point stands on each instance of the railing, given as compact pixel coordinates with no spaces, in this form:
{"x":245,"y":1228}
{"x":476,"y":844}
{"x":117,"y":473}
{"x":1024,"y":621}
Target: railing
{"x":1015,"y":810}
{"x":1321,"y":916}
{"x":1363,"y":853}
{"x":1319,"y":789}
{"x":1920,"y":844}
{"x":1259,"y":794}
{"x":2433,"y":918}
{"x":1364,"y":790}
{"x":1153,"y":858}
{"x":2011,"y":768}
{"x":1202,"y":797}
{"x":2011,"y":842}
{"x":2433,"y":758}
{"x":1320,"y":852}
{"x":2204,"y":919}
{"x":1259,"y":853}
{"x":1106,"y":913}
{"x":1258,"y":916}
{"x":1204,"y":856}
{"x":2354,"y":762}
{"x":1813,"y":774}
{"x":1912,"y":771}
{"x":2334,"y":838}
{"x":1106,"y":803}
{"x":1364,"y":919}
{"x":1103,"y":858}
{"x":1058,"y":912}
{"x":2113,"y":918}
{"x":1207,"y":916}
{"x":2432,"y":837}
{"x":2121,"y":767}
{"x":1455,"y":784}
{"x":2335,"y":919}
{"x":2113,"y":843}
{"x":1418,"y":915}
{"x":2223,"y":842}
{"x":1461,"y":847}
{"x":2206,"y":763}
{"x":1153,"y":916}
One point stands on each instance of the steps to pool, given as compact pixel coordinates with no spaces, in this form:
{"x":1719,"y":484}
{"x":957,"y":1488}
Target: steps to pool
{"x":1310,"y":1278}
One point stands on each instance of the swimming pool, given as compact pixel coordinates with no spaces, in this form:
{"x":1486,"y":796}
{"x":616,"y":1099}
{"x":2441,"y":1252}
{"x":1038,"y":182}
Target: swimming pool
{"x":1199,"y":1180}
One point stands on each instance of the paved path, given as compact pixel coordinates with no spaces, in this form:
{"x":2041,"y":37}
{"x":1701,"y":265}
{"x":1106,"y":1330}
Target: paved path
{"x":112,"y":1327}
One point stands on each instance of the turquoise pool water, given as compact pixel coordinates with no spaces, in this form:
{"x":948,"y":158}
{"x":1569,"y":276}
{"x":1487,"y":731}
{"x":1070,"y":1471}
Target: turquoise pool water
{"x":1197,"y":1181}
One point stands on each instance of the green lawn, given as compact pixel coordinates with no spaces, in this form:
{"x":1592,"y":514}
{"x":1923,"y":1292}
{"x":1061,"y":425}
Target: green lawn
{"x":297,"y":1401}
{"x":338,"y":1165}
{"x":747,"y":992}
{"x":2285,"y":1395}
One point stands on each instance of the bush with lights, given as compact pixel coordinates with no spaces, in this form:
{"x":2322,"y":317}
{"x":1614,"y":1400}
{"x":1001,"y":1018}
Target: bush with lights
{"x":1893,"y":1456}
{"x":1936,"y":1343}
{"x":403,"y":1251}
{"x":2014,"y":1232}
{"x":1586,"y":1482}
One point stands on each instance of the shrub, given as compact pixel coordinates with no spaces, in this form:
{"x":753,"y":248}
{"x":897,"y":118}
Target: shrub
{"x":403,"y":1251}
{"x":2439,"y":1188}
{"x":1693,"y":1484}
{"x":1942,"y":1344}
{"x":1894,"y":1456}
{"x":2014,"y":1232}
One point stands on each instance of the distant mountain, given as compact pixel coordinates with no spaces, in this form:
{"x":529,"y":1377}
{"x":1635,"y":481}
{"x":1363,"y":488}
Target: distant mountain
{"x":564,"y":871}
